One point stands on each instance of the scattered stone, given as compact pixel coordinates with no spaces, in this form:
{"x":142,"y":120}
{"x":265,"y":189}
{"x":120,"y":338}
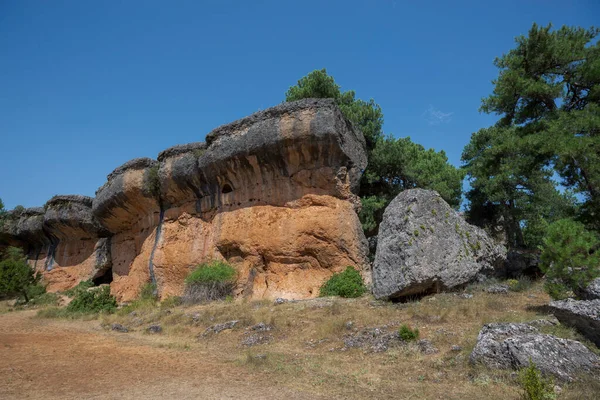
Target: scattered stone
{"x":466,"y":295}
{"x":154,"y":329}
{"x":456,"y":348}
{"x":427,"y":347}
{"x":279,"y":301}
{"x":220,"y":327}
{"x":133,"y":314}
{"x":261,"y":327}
{"x":424,"y":246}
{"x":119,"y":328}
{"x":499,"y":289}
{"x":583,"y":315}
{"x":253,"y":339}
{"x":349,"y":325}
{"x":538,"y":323}
{"x":374,"y":340}
{"x":513,"y":346}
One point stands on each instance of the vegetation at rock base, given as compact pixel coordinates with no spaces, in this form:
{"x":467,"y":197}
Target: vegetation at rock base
{"x":407,"y":334}
{"x":547,"y":95}
{"x":16,"y":276}
{"x":93,"y":301}
{"x":348,"y":283}
{"x":393,"y":164}
{"x":209,"y":281}
{"x":81,"y":287}
{"x":570,"y":257}
{"x":535,"y":386}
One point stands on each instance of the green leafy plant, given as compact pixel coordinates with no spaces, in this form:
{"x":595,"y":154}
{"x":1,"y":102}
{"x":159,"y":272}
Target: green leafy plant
{"x":208,"y":282}
{"x":153,"y":181}
{"x":535,"y":386}
{"x":344,"y":284}
{"x":16,"y":276}
{"x":569,"y":257}
{"x":81,"y":287}
{"x":93,"y":301}
{"x":407,"y":334}
{"x":521,"y":284}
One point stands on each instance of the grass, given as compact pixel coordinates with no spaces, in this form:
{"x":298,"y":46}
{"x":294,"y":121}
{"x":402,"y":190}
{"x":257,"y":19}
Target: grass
{"x":306,"y":353}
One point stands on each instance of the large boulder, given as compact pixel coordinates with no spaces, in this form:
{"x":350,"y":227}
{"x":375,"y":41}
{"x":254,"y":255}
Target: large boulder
{"x":426,"y":246}
{"x":514,"y":346}
{"x":583,"y":315}
{"x":592,"y":291}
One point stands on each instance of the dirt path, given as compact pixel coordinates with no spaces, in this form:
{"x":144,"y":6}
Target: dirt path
{"x":56,"y":359}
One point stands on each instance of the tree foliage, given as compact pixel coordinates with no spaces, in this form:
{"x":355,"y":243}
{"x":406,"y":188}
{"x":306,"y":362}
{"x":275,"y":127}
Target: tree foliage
{"x":16,"y":277}
{"x":570,"y":257}
{"x":394,"y":164}
{"x":547,"y":95}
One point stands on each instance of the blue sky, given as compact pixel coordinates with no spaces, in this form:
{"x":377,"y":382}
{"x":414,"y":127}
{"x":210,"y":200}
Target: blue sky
{"x":86,"y":86}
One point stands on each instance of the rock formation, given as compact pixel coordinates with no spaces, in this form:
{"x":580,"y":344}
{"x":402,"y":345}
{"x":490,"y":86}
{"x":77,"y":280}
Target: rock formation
{"x":514,"y":346}
{"x":583,"y":315}
{"x":425,"y":246}
{"x":272,"y":193}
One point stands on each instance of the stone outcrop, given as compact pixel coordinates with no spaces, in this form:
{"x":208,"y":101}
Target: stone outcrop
{"x":274,"y":194}
{"x":425,"y":246}
{"x":583,"y":315}
{"x":514,"y":346}
{"x":592,"y":291}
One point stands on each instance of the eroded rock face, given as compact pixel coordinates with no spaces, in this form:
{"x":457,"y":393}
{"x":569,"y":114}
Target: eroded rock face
{"x":583,"y":315}
{"x":425,"y":246}
{"x":273,"y":194}
{"x":80,"y":248}
{"x":592,"y":291}
{"x":514,"y":346}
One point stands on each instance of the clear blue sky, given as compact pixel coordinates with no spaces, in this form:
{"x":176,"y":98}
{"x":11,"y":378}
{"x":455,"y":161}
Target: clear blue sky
{"x":88,"y":85}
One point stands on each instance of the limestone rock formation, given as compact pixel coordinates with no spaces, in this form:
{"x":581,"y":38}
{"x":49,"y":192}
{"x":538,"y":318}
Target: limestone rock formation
{"x":513,"y":346}
{"x":274,"y":194}
{"x":583,"y":315}
{"x":425,"y":246}
{"x":592,"y":291}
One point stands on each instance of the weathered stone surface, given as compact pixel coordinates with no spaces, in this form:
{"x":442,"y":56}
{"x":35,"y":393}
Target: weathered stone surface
{"x":424,"y":246}
{"x":583,"y":315}
{"x":520,"y":262}
{"x":70,"y":216}
{"x":592,"y":291}
{"x":513,"y":346}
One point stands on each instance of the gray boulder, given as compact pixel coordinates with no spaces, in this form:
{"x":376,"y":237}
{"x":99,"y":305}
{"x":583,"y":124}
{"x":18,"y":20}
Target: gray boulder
{"x":583,"y":315}
{"x":425,"y":246}
{"x":592,"y":291}
{"x":513,"y":346}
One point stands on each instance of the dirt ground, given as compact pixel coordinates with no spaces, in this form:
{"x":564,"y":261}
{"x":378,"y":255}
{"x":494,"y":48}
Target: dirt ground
{"x":57,"y":359}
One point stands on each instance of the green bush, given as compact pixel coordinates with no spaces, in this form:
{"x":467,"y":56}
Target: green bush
{"x":45,"y":299}
{"x":344,"y":284}
{"x":521,"y":284}
{"x":148,"y":293}
{"x":208,"y":282}
{"x":568,"y":257}
{"x":215,"y":271}
{"x":408,"y":334}
{"x":16,"y":276}
{"x":82,"y":286}
{"x":93,"y":301}
{"x":534,"y":385}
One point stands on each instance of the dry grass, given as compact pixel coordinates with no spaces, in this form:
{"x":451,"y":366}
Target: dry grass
{"x":307,"y":351}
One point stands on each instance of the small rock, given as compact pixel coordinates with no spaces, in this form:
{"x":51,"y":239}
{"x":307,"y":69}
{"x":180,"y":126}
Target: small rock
{"x":456,"y":348}
{"x":261,"y":327}
{"x":256,"y":339}
{"x":349,"y":325}
{"x":538,"y":323}
{"x":154,"y":329}
{"x":500,"y":289}
{"x":133,"y":314}
{"x":279,"y":301}
{"x":220,"y":327}
{"x":466,"y":295}
{"x":427,"y":347}
{"x":119,"y":328}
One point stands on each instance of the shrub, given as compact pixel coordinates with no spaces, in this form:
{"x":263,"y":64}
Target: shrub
{"x":408,"y":334}
{"x":344,"y":284}
{"x":208,"y":282}
{"x":534,"y":385}
{"x":521,"y":284}
{"x":171,"y":301}
{"x":148,"y":293}
{"x":568,"y":257}
{"x":153,"y":181}
{"x":82,"y":286}
{"x":93,"y":301}
{"x":16,"y":277}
